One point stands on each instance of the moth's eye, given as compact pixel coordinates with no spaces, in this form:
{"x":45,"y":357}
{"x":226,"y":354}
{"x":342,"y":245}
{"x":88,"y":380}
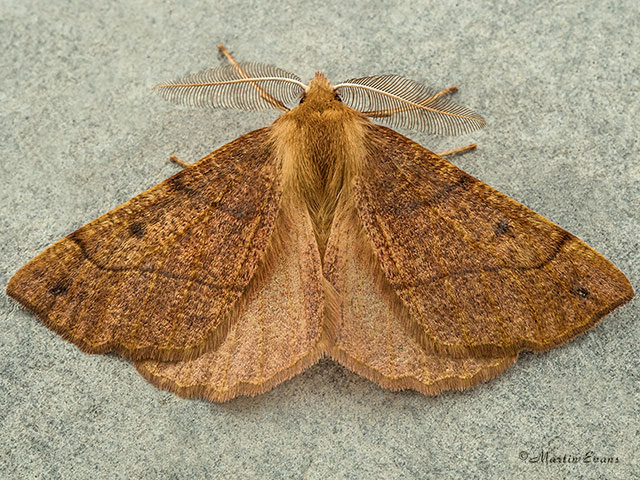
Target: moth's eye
{"x":337,"y":96}
{"x":303,"y":97}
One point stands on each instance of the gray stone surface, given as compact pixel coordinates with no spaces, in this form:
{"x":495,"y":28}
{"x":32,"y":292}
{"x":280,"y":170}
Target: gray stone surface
{"x":81,"y":132}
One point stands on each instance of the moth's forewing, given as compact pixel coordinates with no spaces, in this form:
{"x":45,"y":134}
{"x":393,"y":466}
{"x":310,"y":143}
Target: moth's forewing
{"x":479,"y":273}
{"x":158,"y":277}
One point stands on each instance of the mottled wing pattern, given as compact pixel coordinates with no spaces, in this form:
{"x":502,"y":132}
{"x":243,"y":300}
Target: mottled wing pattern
{"x":158,"y":277}
{"x":478,"y":272}
{"x":278,"y":333}
{"x":371,"y":335}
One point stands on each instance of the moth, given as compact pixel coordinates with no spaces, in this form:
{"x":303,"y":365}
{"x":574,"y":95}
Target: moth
{"x":322,"y":234}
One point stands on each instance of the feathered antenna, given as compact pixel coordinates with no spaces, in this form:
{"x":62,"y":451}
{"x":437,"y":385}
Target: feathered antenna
{"x":244,"y":86}
{"x":401,"y":102}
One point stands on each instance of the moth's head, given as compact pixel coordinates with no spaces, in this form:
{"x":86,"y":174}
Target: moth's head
{"x":320,"y":95}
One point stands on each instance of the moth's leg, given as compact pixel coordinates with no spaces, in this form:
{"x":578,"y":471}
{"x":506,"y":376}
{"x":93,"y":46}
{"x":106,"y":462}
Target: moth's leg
{"x":451,"y":89}
{"x":458,"y":151}
{"x":175,"y":159}
{"x":263,"y":93}
{"x":226,"y":53}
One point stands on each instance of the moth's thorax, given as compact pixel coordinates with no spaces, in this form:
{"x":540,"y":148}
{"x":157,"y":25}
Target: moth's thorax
{"x":321,"y":146}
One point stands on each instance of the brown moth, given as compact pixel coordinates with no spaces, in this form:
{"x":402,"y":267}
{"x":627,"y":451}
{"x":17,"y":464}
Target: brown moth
{"x":323,"y":234}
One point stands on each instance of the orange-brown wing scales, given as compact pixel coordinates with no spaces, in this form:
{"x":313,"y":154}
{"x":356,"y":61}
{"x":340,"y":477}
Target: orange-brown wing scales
{"x":277,"y":334}
{"x":478,"y":272}
{"x":158,"y":276}
{"x":372,"y":340}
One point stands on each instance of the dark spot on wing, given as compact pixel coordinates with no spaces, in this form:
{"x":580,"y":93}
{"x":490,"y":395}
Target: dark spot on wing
{"x":137,"y":229}
{"x":501,"y":227}
{"x":59,"y":288}
{"x":580,"y":291}
{"x":178,"y":184}
{"x":75,"y":236}
{"x":465,"y":180}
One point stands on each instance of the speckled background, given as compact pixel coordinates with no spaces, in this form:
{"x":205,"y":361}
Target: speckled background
{"x":81,"y":132}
